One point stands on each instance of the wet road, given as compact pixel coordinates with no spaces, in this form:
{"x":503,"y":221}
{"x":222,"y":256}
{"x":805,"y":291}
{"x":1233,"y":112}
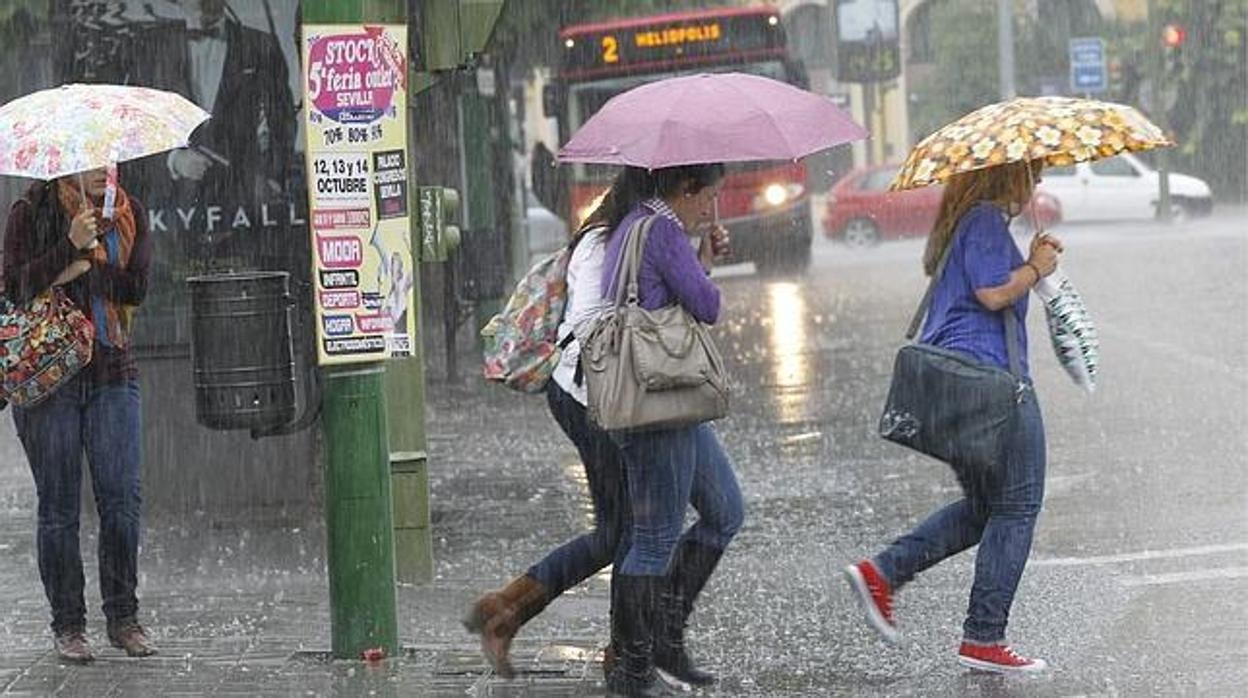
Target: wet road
{"x":1138,"y":583}
{"x":1139,"y":577}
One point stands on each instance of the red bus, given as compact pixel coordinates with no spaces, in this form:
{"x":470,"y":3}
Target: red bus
{"x":766,"y":206}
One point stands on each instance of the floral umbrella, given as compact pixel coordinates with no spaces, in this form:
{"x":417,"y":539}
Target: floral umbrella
{"x":74,"y":128}
{"x":1058,"y":130}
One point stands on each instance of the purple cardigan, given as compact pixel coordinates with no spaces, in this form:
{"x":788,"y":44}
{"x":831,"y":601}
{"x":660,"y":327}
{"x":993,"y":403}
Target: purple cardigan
{"x":670,"y":270}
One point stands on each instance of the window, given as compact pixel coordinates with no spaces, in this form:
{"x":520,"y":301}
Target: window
{"x":1067,"y":171}
{"x":1114,"y":167}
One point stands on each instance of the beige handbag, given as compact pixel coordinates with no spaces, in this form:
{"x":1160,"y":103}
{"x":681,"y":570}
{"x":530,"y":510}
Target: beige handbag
{"x":650,"y":369}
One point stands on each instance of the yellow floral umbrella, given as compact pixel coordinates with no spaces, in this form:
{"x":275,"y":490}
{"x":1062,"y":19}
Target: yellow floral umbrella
{"x":1058,"y":130}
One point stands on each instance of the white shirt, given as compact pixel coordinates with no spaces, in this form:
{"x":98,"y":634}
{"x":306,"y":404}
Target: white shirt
{"x":585,"y":302}
{"x":207,"y":66}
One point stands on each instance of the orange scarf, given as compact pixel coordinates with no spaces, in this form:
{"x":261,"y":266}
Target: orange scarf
{"x":118,"y":317}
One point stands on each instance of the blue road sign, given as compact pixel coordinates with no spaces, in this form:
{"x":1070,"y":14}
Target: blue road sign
{"x":1088,"y":72}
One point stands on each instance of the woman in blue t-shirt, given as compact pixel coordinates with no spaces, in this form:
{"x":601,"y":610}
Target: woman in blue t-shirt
{"x":985,"y":275}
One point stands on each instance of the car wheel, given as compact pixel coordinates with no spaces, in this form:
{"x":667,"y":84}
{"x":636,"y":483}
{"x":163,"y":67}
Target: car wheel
{"x":1185,"y":209}
{"x":861,"y":232}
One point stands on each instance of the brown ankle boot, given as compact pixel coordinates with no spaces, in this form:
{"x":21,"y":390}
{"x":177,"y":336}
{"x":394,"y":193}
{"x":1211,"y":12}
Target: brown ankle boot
{"x":500,"y":616}
{"x":132,"y":638}
{"x":72,"y":646}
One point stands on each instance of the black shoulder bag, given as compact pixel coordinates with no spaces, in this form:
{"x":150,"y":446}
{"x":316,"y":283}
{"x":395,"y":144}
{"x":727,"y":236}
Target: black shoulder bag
{"x":951,"y":407}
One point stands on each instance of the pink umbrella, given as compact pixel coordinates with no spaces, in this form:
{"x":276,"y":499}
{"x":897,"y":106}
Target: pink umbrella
{"x":724,"y":117}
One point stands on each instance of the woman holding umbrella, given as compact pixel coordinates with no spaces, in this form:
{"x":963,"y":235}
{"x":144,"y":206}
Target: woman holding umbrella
{"x":670,"y":136}
{"x":663,"y":570}
{"x":990,"y":162}
{"x":57,"y":237}
{"x":78,"y":230}
{"x":985,"y":274}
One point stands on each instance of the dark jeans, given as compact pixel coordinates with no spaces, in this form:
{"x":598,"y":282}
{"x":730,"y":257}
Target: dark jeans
{"x":1003,"y":532}
{"x":574,"y":561}
{"x":103,"y":422}
{"x":667,"y":471}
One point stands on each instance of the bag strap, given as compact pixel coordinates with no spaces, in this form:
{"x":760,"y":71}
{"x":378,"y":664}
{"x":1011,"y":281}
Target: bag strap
{"x":628,"y":266}
{"x":1011,"y":321}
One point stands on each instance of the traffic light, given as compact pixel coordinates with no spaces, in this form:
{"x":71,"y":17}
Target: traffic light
{"x":439,"y":215}
{"x":1173,"y":36}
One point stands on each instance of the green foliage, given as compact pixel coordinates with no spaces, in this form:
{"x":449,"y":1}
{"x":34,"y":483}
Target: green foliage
{"x":964,"y":49}
{"x":1209,"y":85}
{"x":1203,"y":95}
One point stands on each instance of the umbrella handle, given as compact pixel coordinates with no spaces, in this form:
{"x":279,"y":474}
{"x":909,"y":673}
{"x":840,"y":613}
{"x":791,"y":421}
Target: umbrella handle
{"x":1035,"y":217}
{"x":82,"y":193}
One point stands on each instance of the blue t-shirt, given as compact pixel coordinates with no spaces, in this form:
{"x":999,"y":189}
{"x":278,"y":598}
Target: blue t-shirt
{"x":983,"y":256}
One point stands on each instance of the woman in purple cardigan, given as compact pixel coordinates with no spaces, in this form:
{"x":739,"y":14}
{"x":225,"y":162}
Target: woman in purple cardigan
{"x":665,"y":568}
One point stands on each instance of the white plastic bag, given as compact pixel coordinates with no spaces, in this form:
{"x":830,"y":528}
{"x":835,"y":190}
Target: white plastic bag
{"x":1070,"y":327}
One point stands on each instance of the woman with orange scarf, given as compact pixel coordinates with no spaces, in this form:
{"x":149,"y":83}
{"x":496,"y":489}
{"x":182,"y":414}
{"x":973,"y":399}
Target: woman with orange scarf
{"x":56,"y":237}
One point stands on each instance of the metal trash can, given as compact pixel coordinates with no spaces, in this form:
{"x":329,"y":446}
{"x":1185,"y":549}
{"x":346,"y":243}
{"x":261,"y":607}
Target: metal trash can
{"x":241,"y":350}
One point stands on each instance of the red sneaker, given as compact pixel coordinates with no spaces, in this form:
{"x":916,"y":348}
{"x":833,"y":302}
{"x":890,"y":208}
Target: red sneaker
{"x":875,"y":595}
{"x":998,"y":658}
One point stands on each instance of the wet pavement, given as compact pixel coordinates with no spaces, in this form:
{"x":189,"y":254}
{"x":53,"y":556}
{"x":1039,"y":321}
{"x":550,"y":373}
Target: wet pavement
{"x":1138,"y":583}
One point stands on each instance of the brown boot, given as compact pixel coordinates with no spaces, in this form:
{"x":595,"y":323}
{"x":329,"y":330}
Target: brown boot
{"x":132,"y":638}
{"x":72,"y":646}
{"x":499,"y":615}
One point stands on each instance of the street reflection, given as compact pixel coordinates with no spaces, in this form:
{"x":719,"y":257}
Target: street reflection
{"x":789,"y":360}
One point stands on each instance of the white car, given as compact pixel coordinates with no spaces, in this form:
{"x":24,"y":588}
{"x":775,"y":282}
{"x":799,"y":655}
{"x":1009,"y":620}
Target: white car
{"x":1121,"y":188}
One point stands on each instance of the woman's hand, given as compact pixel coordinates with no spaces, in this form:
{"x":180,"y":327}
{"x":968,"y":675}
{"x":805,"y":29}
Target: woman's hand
{"x":715,"y":244}
{"x":721,"y":242}
{"x":1044,"y":253}
{"x":84,"y":229}
{"x":75,"y":269}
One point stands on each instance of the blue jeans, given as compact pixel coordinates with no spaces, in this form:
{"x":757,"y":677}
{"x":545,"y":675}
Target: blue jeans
{"x":668,"y":470}
{"x":1003,"y":532}
{"x":574,"y":561}
{"x":103,"y":422}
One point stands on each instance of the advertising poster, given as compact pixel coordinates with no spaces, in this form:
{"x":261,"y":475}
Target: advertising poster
{"x":356,"y":119}
{"x":234,"y":200}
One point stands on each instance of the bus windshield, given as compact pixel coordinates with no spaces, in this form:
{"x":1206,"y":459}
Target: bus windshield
{"x":586,"y":98}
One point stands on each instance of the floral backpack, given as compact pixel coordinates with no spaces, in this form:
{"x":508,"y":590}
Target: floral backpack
{"x":522,"y":342}
{"x":42,"y":344}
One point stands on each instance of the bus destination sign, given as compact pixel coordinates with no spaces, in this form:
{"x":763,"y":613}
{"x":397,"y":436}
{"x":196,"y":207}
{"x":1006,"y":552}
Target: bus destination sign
{"x":671,"y":41}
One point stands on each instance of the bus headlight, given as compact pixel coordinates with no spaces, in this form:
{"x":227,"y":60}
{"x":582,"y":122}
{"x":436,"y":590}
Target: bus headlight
{"x":776,"y":194}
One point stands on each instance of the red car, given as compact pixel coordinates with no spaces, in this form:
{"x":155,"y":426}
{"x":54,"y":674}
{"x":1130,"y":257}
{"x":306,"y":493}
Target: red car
{"x":861,"y":211}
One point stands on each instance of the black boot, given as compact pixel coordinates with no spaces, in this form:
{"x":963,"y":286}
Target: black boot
{"x":632,"y":629}
{"x":691,"y":568}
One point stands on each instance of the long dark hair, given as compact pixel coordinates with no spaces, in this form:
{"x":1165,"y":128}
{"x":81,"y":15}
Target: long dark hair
{"x":48,"y":224}
{"x":634,"y":185}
